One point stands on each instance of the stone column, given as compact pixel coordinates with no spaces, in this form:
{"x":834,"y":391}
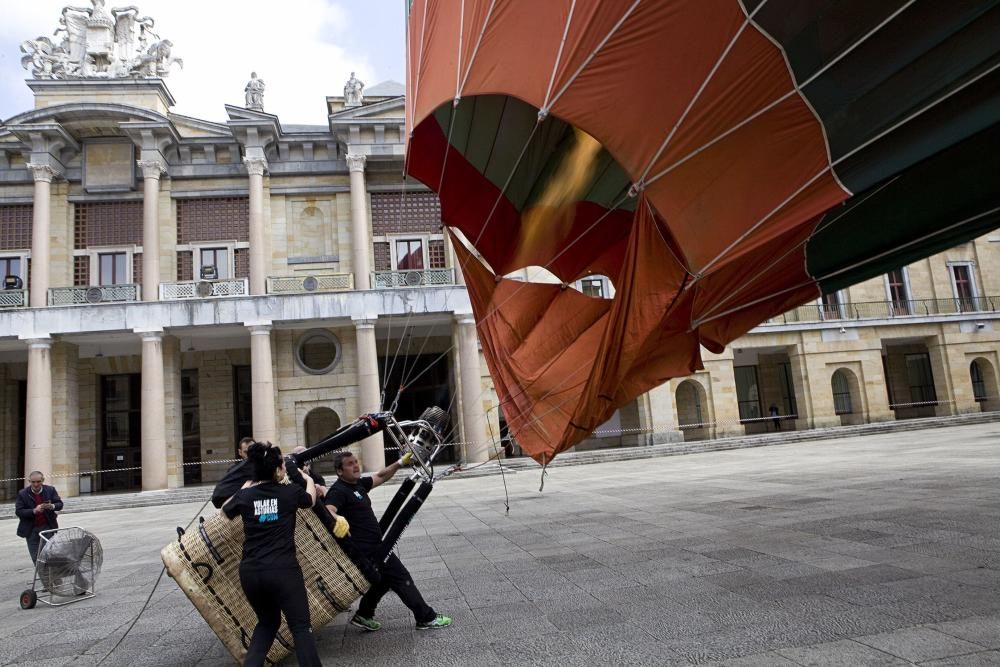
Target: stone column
{"x":725,"y":408}
{"x":372,"y":448}
{"x":800,"y":385}
{"x":476,"y":443}
{"x":41,"y":222}
{"x":258,"y":240}
{"x":262,"y":384}
{"x":949,"y":402}
{"x":360,"y":239}
{"x":151,"y":170}
{"x":38,"y":422}
{"x":661,"y":421}
{"x":154,"y":424}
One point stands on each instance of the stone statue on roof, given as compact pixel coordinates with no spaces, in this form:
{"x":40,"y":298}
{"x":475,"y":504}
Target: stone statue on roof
{"x":254,"y":93}
{"x":353,"y":92}
{"x":100,"y":43}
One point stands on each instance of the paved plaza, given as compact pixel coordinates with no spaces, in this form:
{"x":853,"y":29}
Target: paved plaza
{"x":877,"y":550}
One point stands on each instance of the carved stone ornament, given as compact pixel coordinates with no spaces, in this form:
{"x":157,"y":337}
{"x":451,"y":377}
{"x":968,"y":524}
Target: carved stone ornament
{"x":255,"y":165}
{"x":97,"y":43}
{"x":42,"y":172}
{"x":151,"y":168}
{"x":356,"y":162}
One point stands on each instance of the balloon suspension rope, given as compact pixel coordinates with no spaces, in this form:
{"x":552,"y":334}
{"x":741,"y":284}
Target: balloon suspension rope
{"x":150,"y":596}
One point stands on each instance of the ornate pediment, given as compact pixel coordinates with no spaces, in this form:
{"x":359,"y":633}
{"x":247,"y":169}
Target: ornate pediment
{"x":97,"y":43}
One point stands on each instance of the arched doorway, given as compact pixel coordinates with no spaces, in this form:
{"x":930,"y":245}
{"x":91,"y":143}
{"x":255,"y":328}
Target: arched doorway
{"x":319,"y":423}
{"x":847,"y":403}
{"x":692,"y":410}
{"x":984,"y":384}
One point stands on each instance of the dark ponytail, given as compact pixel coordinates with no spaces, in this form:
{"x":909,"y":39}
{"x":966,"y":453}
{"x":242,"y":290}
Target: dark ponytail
{"x":265,"y":459}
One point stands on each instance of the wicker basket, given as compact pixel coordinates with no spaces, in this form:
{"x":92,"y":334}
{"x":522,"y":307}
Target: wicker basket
{"x":205,"y":564}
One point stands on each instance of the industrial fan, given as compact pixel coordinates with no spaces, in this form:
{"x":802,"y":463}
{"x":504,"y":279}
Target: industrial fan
{"x":69,"y":560}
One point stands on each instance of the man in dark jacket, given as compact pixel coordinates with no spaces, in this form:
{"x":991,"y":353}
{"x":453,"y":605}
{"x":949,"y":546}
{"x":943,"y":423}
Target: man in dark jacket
{"x":36,"y":507}
{"x":238,"y":474}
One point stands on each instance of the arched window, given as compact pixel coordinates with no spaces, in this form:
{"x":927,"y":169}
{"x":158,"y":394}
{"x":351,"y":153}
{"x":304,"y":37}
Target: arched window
{"x":978,"y":382}
{"x":320,"y":422}
{"x":689,"y":404}
{"x":841,"y":394}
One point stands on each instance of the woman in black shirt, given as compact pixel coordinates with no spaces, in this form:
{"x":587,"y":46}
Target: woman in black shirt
{"x":269,"y":572}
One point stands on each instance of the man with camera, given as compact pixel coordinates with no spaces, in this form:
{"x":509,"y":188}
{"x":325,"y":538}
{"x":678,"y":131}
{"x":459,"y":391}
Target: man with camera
{"x":36,"y":507}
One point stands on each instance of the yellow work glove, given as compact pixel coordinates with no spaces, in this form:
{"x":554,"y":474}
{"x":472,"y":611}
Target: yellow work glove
{"x":341,"y":527}
{"x":405,"y":459}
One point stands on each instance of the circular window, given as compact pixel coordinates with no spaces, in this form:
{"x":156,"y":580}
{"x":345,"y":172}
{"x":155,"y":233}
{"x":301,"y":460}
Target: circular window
{"x":317,"y":351}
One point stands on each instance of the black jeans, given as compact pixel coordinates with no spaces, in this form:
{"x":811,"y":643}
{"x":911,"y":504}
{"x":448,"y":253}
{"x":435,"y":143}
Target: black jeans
{"x":34,"y":539}
{"x":271,"y":592}
{"x":396,"y":578}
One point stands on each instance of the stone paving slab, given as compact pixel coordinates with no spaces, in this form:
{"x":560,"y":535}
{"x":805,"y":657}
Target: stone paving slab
{"x":876,"y":550}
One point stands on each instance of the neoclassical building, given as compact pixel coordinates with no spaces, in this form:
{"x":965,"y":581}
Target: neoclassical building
{"x":173,"y":284}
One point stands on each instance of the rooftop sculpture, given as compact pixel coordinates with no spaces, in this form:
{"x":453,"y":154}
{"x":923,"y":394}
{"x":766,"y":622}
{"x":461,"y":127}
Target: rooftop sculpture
{"x":100,"y":44}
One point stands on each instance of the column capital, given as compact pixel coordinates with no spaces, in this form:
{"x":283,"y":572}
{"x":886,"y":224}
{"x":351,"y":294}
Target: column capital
{"x":365,"y":321}
{"x":154,"y":336}
{"x":255,"y":165}
{"x":42,"y":172}
{"x":39,"y":343}
{"x":356,"y":162}
{"x":465,"y":318}
{"x":151,"y":168}
{"x":259,"y":329}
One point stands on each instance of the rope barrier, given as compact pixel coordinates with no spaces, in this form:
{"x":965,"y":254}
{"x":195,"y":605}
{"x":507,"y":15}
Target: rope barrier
{"x":459,"y":444}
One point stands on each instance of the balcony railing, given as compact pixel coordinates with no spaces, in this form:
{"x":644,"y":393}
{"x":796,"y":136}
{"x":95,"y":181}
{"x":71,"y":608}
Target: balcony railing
{"x":336,"y":282}
{"x":13,"y":298}
{"x":203,"y":289}
{"x":881,"y":310}
{"x":73,"y":296}
{"x":413,"y":278}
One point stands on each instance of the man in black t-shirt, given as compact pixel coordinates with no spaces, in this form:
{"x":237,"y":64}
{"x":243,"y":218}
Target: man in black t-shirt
{"x":348,"y":497}
{"x":269,"y":569}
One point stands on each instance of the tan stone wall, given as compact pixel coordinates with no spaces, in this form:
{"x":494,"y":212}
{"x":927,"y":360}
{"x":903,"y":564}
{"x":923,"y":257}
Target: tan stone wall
{"x":172,"y":410}
{"x":143,"y":100}
{"x":88,"y":374}
{"x":9,"y":436}
{"x":60,"y":238}
{"x":299,"y":391}
{"x":167,"y":216}
{"x":215,"y":408}
{"x":65,"y":419}
{"x":988,"y":260}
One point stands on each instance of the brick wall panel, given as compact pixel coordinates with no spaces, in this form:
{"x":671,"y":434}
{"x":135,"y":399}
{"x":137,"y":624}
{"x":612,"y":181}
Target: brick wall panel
{"x":213,"y":219}
{"x":15,"y":227}
{"x":412,"y":212}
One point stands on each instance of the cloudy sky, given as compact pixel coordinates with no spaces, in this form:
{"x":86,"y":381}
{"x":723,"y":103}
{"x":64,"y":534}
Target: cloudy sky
{"x":304,"y":50}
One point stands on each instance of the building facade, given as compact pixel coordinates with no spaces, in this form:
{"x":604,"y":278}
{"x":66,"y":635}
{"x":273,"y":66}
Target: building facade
{"x":174,"y":284}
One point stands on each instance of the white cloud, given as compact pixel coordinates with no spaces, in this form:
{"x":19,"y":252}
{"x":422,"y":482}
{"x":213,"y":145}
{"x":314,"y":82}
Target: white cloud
{"x":293,"y":47}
